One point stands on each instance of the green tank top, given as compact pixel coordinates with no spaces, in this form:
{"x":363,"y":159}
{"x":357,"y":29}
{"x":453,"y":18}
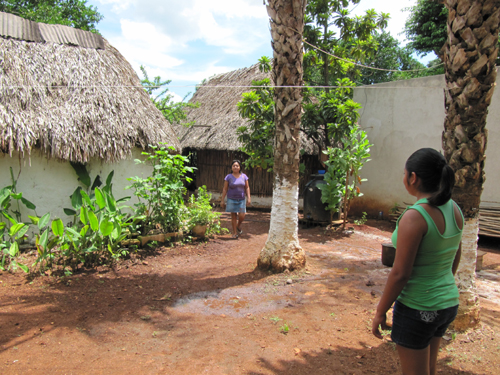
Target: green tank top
{"x":432,"y":285}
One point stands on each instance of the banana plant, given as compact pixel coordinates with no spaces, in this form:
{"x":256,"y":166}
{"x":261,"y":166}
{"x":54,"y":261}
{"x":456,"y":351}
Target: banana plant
{"x":9,"y":246}
{"x":45,"y":241}
{"x":98,"y":224}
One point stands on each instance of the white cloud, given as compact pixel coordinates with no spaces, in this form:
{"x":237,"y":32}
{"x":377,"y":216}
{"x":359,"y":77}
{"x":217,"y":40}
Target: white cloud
{"x":118,"y":5}
{"x":176,"y":98}
{"x":233,"y":8}
{"x":142,"y":43}
{"x":234,"y":25}
{"x":186,"y":75}
{"x":145,"y":33}
{"x":237,"y":26}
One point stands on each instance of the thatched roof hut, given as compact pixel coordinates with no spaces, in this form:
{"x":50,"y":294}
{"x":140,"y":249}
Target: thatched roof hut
{"x":213,"y":140}
{"x":71,"y":95}
{"x":217,"y":119}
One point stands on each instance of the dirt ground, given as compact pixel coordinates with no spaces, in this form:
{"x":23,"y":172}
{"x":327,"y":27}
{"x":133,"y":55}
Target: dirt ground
{"x":204,"y":308}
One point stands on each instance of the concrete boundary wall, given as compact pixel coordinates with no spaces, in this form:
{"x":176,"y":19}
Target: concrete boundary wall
{"x":401,"y":117}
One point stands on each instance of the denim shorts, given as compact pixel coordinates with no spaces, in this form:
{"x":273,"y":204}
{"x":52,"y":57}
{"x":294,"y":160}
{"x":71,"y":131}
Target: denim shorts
{"x":236,"y":205}
{"x":414,"y":329}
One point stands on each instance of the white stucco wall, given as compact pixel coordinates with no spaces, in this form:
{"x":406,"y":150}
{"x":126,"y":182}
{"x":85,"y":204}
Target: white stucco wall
{"x":49,"y":183}
{"x":401,"y":117}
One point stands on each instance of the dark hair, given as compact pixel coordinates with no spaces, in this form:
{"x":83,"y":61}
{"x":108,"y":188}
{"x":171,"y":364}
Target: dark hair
{"x":435,"y":174}
{"x":239,"y":163}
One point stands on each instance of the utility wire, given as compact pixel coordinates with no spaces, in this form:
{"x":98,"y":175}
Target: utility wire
{"x":248,"y":86}
{"x":221,"y":86}
{"x":371,"y":67}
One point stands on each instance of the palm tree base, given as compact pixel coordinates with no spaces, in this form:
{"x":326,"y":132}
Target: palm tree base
{"x":279,"y":260}
{"x":468,"y":316}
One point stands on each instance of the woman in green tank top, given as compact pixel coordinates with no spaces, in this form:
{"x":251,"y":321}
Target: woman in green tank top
{"x":421,"y":283}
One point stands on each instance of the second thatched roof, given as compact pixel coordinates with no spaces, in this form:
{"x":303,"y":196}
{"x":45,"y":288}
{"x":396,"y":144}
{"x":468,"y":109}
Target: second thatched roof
{"x":73,"y":102}
{"x":217,"y":119}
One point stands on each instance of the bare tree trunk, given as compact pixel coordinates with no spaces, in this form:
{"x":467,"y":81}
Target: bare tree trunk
{"x":469,"y":58}
{"x":282,"y":250}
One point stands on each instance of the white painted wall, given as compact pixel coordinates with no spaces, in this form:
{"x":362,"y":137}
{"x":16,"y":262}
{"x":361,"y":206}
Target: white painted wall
{"x":49,"y":183}
{"x":401,"y":117}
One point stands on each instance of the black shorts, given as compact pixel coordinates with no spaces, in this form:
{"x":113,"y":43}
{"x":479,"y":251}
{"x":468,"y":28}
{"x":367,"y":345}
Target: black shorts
{"x":414,"y":329}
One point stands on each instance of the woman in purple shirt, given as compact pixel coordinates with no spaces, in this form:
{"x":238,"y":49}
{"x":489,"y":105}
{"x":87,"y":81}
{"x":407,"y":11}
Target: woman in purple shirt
{"x":236,"y":188}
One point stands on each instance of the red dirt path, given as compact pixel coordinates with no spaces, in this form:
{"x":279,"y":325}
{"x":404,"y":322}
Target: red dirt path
{"x":203,"y":308}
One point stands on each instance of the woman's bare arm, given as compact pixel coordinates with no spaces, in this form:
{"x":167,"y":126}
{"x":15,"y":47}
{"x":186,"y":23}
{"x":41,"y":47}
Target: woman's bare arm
{"x":247,"y":192}
{"x":456,"y":261}
{"x":224,"y":192}
{"x":411,"y":228}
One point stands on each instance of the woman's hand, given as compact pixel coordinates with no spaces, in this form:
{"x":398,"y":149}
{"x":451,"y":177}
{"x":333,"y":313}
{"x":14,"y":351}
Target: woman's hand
{"x":379,"y":320}
{"x":249,"y":201}
{"x":222,"y":203}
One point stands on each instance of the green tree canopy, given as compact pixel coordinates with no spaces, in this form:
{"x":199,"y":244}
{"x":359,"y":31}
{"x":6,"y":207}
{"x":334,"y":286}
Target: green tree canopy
{"x":425,"y":28}
{"x":391,"y":55}
{"x":330,"y":26}
{"x":74,"y":13}
{"x":173,"y":111}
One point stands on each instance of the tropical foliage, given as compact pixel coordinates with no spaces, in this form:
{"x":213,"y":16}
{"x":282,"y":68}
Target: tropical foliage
{"x":100,"y":223}
{"x":173,"y":111}
{"x":394,"y":62}
{"x":161,"y":194}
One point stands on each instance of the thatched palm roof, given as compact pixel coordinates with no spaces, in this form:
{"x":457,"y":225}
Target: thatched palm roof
{"x":217,"y":119}
{"x":72,"y":95}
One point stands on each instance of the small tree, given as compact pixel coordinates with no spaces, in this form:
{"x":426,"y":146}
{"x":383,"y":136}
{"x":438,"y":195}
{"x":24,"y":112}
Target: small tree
{"x":349,"y":152}
{"x":174,"y":112}
{"x":257,"y":137}
{"x":161,"y":194}
{"x":343,"y":166}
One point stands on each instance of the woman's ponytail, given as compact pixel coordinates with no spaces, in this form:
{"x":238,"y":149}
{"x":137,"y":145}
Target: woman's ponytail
{"x":436,"y":176}
{"x":446,"y":184}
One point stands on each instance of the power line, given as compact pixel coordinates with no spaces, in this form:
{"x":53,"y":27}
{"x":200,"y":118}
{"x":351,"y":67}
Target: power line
{"x":371,"y":67}
{"x":217,"y":86}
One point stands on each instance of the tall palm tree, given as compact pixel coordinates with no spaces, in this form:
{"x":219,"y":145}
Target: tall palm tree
{"x":282,"y":250}
{"x":469,"y":58}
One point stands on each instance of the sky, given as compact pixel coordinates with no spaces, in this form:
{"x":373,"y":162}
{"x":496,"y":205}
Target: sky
{"x":186,"y":41}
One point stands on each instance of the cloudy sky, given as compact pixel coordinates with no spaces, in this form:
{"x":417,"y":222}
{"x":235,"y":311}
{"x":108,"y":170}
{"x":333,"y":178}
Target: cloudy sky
{"x":189,"y":40}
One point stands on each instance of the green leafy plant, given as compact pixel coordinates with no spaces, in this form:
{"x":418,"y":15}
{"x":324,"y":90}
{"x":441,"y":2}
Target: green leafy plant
{"x":284,"y":328}
{"x":161,"y":194}
{"x":346,"y":159}
{"x":11,"y":199}
{"x":200,"y":211}
{"x":164,"y":101}
{"x":257,"y":137}
{"x":394,"y":209}
{"x":9,"y":246}
{"x":99,"y":224}
{"x":362,"y":220}
{"x":12,"y":229}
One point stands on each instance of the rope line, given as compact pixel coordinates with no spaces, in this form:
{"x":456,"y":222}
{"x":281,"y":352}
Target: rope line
{"x":224,"y":86}
{"x":371,"y":67}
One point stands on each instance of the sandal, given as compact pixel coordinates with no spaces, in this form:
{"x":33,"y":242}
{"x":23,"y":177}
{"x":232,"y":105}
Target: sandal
{"x":239,"y":231}
{"x":234,"y":236}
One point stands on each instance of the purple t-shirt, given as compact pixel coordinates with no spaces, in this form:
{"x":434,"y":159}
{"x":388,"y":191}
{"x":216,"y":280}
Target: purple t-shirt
{"x":236,"y":186}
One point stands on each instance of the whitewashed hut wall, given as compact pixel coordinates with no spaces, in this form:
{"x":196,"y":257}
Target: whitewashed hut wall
{"x":49,"y":183}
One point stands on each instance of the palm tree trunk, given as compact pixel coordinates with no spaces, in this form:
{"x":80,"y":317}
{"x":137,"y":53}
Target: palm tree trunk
{"x":282,"y":250}
{"x":469,"y":58}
